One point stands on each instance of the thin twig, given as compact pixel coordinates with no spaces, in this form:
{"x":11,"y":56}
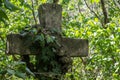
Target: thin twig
{"x":33,"y":12}
{"x":47,"y":73}
{"x":92,"y":10}
{"x":117,"y":4}
{"x":94,"y":13}
{"x":104,"y":12}
{"x":80,"y":10}
{"x":84,"y":63}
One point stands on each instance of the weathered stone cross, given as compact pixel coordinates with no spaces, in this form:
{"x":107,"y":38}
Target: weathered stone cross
{"x":50,"y":16}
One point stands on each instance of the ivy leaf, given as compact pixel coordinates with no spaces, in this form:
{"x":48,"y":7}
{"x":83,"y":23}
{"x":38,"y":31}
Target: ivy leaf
{"x":29,"y":71}
{"x":66,"y":1}
{"x":3,"y":72}
{"x":40,"y":37}
{"x":10,"y":71}
{"x":4,"y":21}
{"x":20,"y":75}
{"x":49,"y":39}
{"x":3,"y":14}
{"x":1,"y":3}
{"x":27,"y":5}
{"x":10,"y":6}
{"x":95,"y":1}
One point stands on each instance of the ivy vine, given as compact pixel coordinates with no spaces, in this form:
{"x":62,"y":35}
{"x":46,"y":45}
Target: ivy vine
{"x":48,"y":47}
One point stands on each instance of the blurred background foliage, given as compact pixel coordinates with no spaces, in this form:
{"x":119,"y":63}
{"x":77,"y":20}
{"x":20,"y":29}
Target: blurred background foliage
{"x":84,"y":19}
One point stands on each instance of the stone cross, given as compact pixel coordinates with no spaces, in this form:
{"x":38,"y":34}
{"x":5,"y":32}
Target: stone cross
{"x":50,"y":16}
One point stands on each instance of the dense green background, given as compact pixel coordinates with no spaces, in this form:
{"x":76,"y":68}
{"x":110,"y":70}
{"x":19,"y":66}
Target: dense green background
{"x":79,"y":21}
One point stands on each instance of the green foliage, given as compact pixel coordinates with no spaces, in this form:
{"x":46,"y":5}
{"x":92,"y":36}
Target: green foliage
{"x":12,"y":69}
{"x":10,"y":6}
{"x":47,"y":59}
{"x":47,"y":48}
{"x":95,"y":1}
{"x":103,"y":62}
{"x":6,"y":4}
{"x":3,"y":14}
{"x":104,"y":57}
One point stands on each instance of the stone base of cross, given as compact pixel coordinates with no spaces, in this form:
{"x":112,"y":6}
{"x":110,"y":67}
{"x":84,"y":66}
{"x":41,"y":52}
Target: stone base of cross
{"x":50,"y":16}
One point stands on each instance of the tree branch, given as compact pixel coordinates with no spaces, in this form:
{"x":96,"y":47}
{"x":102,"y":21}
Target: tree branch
{"x":106,"y":20}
